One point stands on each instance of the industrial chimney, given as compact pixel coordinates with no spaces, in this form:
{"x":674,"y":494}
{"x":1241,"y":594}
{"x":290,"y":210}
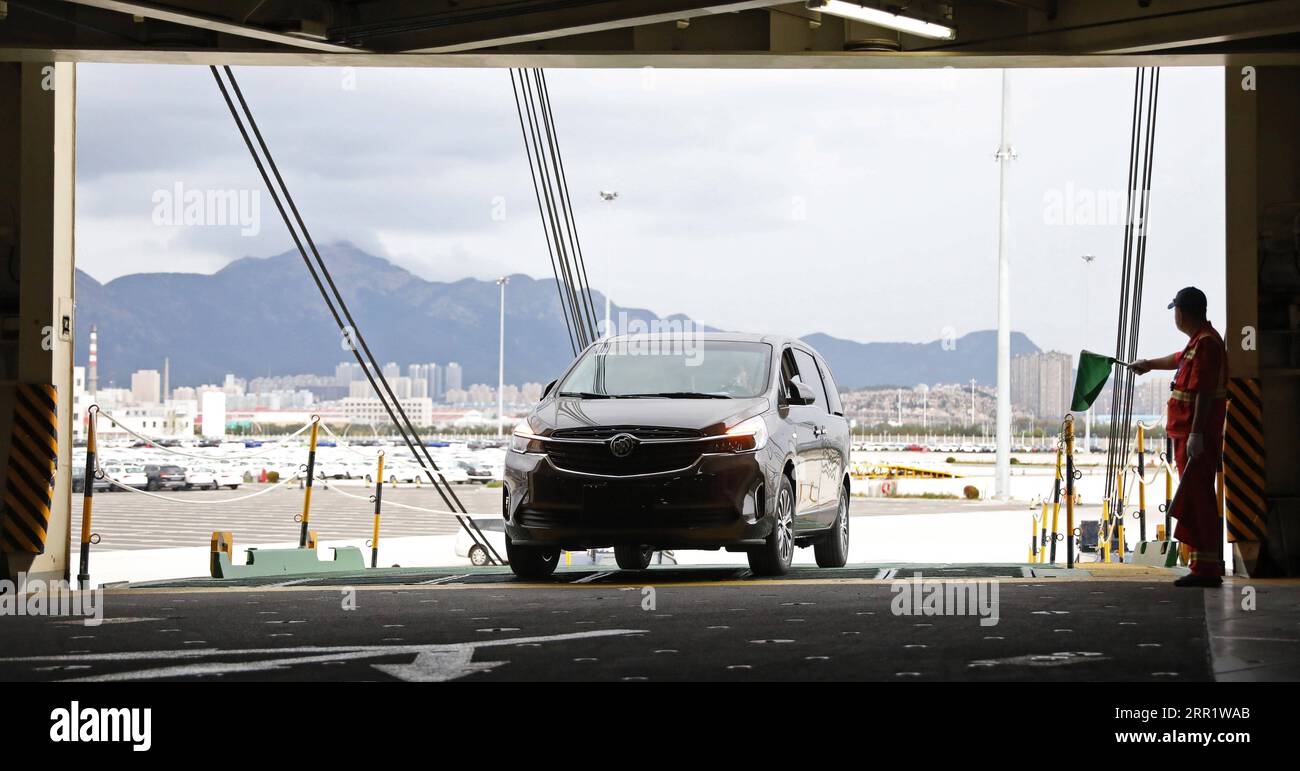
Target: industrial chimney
{"x":93,"y":376}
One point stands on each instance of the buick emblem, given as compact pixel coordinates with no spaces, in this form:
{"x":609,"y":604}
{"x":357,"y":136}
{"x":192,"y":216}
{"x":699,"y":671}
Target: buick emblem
{"x":622,"y":445}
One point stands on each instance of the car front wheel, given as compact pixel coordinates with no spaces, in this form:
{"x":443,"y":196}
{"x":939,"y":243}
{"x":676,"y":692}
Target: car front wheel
{"x":633,"y":557}
{"x":773,"y":558}
{"x":533,"y":562}
{"x":478,"y":556}
{"x":832,"y":551}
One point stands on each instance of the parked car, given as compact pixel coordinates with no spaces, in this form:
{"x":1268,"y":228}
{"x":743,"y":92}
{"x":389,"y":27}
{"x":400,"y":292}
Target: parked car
{"x":493,"y":531}
{"x":227,"y":477}
{"x":79,"y":478}
{"x":475,"y":474}
{"x":707,"y":441}
{"x":164,"y":477}
{"x":130,"y":476}
{"x":201,"y":478}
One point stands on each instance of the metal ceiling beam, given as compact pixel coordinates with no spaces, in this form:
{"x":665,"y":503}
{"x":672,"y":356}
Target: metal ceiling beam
{"x":213,"y":24}
{"x":557,"y":24}
{"x":1113,"y":27}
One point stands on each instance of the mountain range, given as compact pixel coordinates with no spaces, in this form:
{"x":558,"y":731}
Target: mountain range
{"x":264,"y":316}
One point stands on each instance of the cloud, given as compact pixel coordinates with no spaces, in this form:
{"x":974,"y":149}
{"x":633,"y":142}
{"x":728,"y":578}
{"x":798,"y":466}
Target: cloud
{"x":862,"y":204}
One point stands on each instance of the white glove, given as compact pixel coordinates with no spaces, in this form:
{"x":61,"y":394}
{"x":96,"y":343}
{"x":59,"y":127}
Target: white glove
{"x":1195,"y":444}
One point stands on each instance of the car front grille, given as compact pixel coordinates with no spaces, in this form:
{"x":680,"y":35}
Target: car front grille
{"x":646,"y":458}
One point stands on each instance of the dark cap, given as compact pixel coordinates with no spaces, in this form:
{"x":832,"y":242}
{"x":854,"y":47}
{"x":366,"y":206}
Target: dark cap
{"x":1189,"y":298}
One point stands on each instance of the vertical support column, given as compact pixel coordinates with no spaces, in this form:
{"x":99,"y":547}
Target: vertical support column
{"x":1241,"y":188}
{"x":45,"y":160}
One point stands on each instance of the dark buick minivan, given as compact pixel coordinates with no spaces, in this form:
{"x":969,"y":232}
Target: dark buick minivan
{"x":682,"y":441}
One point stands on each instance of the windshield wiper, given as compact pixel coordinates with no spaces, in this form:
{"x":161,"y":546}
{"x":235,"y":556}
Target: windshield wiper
{"x":585,"y":395}
{"x":677,"y":395}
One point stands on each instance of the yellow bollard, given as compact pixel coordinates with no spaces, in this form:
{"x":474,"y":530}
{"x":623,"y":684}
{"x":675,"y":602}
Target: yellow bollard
{"x":1069,"y":491}
{"x":1118,"y":525}
{"x":1142,"y":486}
{"x":1104,"y":530}
{"x":311,"y":472}
{"x":379,"y":495}
{"x":1056,"y":502}
{"x":1042,"y":542}
{"x":88,"y":495}
{"x":1169,"y":486}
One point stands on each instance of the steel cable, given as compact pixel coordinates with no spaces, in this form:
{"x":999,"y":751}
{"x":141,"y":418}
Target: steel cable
{"x":349,"y":330}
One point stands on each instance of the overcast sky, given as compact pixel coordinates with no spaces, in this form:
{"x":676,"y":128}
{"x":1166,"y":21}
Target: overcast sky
{"x":862,"y":204}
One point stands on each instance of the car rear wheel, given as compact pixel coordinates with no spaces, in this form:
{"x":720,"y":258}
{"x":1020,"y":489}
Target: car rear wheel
{"x":832,"y":551}
{"x":633,"y":557}
{"x":773,"y":558}
{"x":532,"y":561}
{"x":478,"y":556}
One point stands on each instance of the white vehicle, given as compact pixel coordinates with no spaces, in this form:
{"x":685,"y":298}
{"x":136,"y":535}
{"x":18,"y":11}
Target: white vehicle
{"x":474,"y":473}
{"x":227,"y":477}
{"x":131,"y":476}
{"x":203,"y":478}
{"x":396,"y":472}
{"x":493,"y":530}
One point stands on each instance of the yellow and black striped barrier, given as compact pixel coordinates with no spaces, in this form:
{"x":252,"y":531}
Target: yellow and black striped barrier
{"x":1245,"y":506}
{"x":29,"y":480}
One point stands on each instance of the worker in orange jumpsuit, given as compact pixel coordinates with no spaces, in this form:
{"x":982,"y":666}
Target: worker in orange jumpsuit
{"x":1196,"y":411}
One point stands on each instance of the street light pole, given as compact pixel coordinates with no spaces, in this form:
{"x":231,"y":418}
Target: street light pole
{"x":1087,"y":326}
{"x":501,"y":360}
{"x":1005,"y":154}
{"x":972,"y":403}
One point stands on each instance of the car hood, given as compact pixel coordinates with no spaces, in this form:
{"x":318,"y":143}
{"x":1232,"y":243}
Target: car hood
{"x":699,"y":414}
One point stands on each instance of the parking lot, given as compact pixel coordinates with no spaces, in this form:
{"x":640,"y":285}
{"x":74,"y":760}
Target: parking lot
{"x":129,"y":520}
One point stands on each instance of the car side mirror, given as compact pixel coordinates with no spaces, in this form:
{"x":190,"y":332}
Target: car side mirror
{"x":547,"y":390}
{"x":803,"y":393}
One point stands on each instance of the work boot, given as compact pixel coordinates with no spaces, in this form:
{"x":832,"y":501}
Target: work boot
{"x":1203,"y":581}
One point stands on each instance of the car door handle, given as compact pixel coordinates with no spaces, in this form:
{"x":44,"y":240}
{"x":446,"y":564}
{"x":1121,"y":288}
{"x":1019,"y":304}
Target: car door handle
{"x":819,"y":430}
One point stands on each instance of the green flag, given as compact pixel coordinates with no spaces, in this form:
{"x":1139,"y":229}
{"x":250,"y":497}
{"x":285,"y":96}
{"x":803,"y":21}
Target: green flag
{"x":1094,"y":371}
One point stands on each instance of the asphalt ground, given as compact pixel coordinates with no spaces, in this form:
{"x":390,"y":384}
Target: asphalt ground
{"x":633,"y":628}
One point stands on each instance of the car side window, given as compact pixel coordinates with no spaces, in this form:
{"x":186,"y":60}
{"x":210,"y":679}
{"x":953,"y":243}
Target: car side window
{"x":789,"y":372}
{"x":809,"y":375}
{"x":832,"y":391}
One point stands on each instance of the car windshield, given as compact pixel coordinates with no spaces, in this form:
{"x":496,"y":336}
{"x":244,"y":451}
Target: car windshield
{"x":685,"y":369}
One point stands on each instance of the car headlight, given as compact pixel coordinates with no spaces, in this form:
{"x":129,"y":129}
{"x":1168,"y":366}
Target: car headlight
{"x":524,"y":440}
{"x":748,"y":435}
